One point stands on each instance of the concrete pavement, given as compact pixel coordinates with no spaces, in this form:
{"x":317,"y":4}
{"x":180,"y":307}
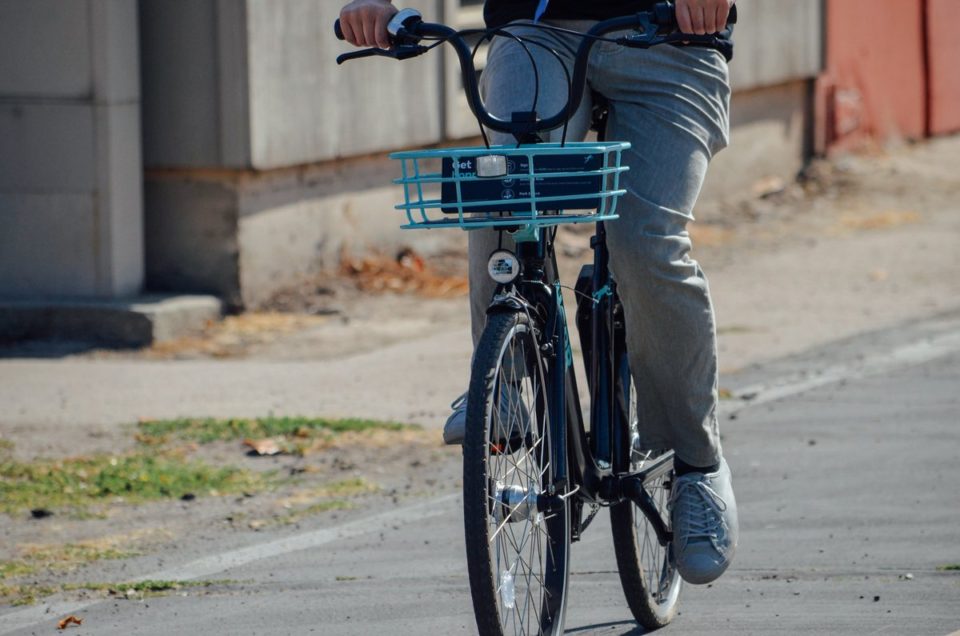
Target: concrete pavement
{"x":63,"y":401}
{"x":849,"y":511}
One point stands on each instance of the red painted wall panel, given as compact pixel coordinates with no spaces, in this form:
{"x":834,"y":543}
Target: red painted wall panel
{"x":874,"y":85}
{"x":943,"y":42}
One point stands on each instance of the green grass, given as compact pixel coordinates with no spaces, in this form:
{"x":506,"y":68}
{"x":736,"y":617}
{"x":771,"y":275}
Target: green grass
{"x":57,"y":558}
{"x":145,"y":588}
{"x":79,"y":482}
{"x":28,"y":594}
{"x":208,"y":430}
{"x":16,"y":568}
{"x":25,"y":594}
{"x":950,"y":567}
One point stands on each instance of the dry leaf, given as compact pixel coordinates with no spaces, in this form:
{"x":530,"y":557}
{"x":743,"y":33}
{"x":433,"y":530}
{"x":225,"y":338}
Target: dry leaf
{"x":69,"y":620}
{"x":263,"y":446}
{"x":768,"y":186}
{"x":407,"y":273}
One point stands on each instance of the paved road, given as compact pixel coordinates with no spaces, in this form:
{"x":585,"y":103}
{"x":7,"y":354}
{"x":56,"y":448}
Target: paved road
{"x":847,"y":483}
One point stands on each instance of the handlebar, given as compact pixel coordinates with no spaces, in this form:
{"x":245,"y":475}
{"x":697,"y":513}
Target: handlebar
{"x":650,"y":28}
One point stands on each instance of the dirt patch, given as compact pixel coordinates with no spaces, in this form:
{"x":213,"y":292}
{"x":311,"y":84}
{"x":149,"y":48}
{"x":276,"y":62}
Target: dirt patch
{"x":64,"y":550}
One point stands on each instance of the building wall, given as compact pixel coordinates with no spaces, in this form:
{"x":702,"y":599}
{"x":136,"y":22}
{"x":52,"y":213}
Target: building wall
{"x":246,"y":113}
{"x":776,"y":42}
{"x":70,"y":175}
{"x":874,"y":86}
{"x":943,"y":47}
{"x":304,"y":108}
{"x":253,"y":84}
{"x":194,"y":76}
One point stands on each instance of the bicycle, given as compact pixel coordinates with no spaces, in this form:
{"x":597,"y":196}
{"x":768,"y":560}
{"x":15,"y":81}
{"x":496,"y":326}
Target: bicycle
{"x":534,"y":476}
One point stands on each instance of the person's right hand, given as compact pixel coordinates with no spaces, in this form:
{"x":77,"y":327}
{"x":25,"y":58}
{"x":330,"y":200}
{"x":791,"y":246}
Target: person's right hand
{"x":364,"y":22}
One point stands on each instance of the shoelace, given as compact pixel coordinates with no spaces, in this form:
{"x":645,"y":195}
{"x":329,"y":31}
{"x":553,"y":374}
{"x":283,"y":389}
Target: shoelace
{"x":704,"y":507}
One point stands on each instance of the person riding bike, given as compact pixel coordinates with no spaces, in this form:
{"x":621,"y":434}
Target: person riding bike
{"x":672,"y":104}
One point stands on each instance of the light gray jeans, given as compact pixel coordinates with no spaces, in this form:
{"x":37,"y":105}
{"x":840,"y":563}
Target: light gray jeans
{"x":672,"y":105}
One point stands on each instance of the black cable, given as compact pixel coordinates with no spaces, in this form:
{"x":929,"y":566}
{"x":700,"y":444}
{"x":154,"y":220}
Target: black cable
{"x":489,"y":34}
{"x":483,"y":133}
{"x":536,"y":72}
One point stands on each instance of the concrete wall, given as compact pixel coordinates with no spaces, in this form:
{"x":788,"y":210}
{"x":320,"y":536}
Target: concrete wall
{"x":776,"y":42}
{"x":193,"y":61}
{"x":243,"y":235}
{"x":304,"y":108}
{"x":70,"y":175}
{"x":254,"y":84}
{"x":245,"y":108}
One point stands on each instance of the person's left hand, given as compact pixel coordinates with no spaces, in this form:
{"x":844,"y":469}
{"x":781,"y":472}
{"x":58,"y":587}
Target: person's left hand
{"x":701,"y":17}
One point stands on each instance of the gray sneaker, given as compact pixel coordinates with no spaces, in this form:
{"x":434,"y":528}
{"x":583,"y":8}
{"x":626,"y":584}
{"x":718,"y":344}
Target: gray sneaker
{"x":510,"y":404}
{"x":705,"y":527}
{"x":456,"y":426}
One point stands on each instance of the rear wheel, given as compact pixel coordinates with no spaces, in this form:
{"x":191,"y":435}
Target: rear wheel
{"x":517,"y":551}
{"x":648,"y":575}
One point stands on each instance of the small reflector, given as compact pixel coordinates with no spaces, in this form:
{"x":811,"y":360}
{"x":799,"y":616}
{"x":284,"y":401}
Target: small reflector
{"x":491,"y":166}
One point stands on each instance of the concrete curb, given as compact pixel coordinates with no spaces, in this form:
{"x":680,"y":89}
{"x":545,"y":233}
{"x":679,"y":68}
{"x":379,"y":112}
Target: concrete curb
{"x":133,"y":322}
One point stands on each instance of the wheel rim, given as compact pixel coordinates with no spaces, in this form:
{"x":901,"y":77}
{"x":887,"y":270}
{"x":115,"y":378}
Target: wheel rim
{"x":523,"y":557}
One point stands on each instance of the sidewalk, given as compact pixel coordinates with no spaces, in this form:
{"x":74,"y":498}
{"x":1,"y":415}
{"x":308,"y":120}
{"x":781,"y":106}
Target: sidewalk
{"x":836,"y":538}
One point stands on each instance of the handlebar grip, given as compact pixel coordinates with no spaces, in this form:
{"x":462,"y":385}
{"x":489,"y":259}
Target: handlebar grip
{"x":337,"y":30}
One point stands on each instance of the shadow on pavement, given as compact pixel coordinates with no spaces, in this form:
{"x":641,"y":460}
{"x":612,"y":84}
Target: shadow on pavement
{"x":630,"y":627}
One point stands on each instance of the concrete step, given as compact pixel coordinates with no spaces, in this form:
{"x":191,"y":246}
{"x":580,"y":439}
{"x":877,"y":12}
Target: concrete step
{"x":131,"y":322}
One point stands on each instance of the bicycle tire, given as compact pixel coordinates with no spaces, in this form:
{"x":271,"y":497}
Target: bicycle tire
{"x":648,"y":575}
{"x":517,"y":559}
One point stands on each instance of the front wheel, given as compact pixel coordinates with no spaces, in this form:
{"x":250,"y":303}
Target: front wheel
{"x":517,"y":547}
{"x":648,"y":574}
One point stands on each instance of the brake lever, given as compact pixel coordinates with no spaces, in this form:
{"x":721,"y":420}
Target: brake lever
{"x":648,"y":39}
{"x":657,"y":28}
{"x":401,"y":52}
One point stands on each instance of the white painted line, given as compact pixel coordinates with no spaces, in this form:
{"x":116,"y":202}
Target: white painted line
{"x":218,"y":563}
{"x":906,"y":356}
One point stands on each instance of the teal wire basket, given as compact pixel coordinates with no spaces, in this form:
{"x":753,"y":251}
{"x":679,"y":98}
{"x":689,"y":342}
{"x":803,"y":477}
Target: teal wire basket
{"x":508,"y":186}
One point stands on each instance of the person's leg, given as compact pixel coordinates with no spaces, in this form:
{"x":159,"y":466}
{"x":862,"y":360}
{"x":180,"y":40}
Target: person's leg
{"x":671,"y":105}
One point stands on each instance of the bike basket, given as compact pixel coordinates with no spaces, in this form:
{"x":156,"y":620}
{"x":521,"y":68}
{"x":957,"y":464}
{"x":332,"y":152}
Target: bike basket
{"x":533,"y":185}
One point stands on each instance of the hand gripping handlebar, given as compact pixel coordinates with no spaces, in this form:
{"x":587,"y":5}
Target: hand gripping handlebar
{"x":647,"y":28}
